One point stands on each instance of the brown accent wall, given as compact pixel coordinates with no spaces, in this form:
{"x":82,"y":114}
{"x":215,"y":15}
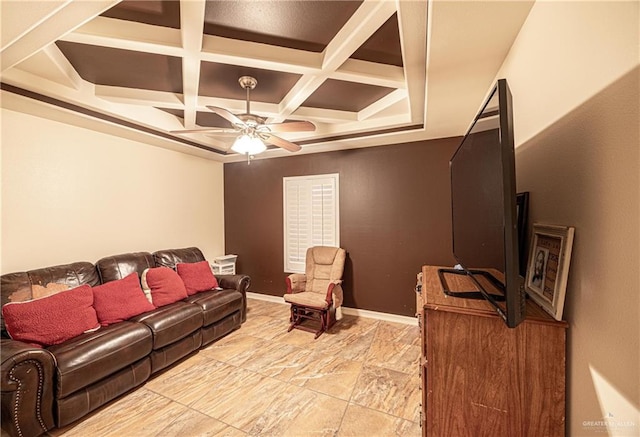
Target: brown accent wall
{"x":394,"y":218}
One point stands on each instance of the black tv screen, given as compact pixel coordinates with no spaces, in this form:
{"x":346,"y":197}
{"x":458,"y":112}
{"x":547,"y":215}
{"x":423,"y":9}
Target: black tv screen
{"x":483,"y":205}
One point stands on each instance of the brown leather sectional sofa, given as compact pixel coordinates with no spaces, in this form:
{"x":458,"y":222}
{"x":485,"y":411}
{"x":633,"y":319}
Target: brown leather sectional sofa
{"x":43,"y":388}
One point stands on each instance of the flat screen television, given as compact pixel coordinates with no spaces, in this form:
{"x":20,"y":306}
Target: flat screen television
{"x":484,"y":209}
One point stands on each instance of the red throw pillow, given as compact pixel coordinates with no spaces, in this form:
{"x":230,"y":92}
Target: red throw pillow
{"x":53,"y":319}
{"x":197,"y":277}
{"x":164,"y":284}
{"x":120,"y":300}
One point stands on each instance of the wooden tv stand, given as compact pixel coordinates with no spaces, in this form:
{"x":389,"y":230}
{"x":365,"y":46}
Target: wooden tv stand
{"x":481,"y":378}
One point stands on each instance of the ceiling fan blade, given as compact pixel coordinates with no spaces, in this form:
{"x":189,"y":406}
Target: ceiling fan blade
{"x":231,"y":118}
{"x":292,"y":126}
{"x":282,"y":143}
{"x":229,"y":134}
{"x":222,"y":130}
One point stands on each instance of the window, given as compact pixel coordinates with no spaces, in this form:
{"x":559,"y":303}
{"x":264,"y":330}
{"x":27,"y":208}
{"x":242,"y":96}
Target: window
{"x":311,"y":217}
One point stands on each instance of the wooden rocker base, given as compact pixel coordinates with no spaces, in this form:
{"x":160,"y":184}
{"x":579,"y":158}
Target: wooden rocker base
{"x":325,"y":317}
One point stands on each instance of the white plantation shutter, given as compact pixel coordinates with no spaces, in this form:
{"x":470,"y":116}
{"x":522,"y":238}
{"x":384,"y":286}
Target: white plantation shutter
{"x":311,"y":217}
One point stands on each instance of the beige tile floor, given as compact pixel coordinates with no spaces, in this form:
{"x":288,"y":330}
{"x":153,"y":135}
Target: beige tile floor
{"x":359,"y":379}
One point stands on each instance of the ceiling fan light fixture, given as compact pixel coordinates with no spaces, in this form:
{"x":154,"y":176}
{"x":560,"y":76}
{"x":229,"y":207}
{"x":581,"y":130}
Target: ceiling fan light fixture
{"x":249,"y":145}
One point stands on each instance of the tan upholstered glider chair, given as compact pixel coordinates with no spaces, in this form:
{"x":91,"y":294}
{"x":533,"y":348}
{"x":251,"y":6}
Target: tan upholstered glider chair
{"x":318,"y":293}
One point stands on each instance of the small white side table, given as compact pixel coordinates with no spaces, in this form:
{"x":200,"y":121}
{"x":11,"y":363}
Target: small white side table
{"x":224,"y":265}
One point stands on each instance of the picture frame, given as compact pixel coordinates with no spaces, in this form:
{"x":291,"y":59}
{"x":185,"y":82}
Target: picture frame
{"x":548,"y":270}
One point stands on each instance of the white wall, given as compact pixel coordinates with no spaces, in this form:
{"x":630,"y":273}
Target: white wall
{"x":71,"y":194}
{"x":573,"y":72}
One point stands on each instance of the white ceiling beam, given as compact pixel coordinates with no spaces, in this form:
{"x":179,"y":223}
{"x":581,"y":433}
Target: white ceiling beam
{"x":52,"y":65}
{"x":191,"y":25}
{"x":128,"y":35}
{"x":371,"y":73}
{"x":257,"y":55}
{"x":382,"y":104}
{"x":324,"y":115}
{"x":139,"y":97}
{"x":163,"y":99}
{"x":412,"y":22}
{"x":363,"y":23}
{"x":356,"y":127}
{"x":305,"y":86}
{"x":54,"y":26}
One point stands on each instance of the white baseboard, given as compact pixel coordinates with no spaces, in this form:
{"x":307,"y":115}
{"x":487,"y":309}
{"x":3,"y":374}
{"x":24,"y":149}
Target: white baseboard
{"x":387,"y":317}
{"x":345,"y":310}
{"x":267,"y":297}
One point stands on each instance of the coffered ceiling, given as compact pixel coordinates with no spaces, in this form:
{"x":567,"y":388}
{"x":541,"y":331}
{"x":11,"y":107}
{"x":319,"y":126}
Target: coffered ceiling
{"x":364,"y":72}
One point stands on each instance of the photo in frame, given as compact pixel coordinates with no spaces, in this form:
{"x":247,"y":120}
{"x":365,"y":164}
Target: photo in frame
{"x":549,"y":259}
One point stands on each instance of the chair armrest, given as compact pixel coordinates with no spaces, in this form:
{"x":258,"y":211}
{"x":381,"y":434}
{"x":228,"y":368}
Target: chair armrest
{"x":27,"y":381}
{"x":240,"y":283}
{"x":334,"y":293}
{"x":296,"y":283}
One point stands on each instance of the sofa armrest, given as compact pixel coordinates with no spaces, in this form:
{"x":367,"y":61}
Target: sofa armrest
{"x":296,"y":283}
{"x":27,"y":382}
{"x":234,"y":282}
{"x":240,"y":283}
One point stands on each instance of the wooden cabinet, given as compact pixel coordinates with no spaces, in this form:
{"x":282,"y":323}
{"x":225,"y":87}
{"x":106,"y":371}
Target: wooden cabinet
{"x":481,"y":378}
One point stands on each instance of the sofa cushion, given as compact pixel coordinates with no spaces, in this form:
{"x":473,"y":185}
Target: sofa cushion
{"x":73,"y":275}
{"x":197,"y":277}
{"x":172,"y":322}
{"x":23,"y":286}
{"x":120,"y":300}
{"x":52,"y":319}
{"x":120,"y":266}
{"x":171,"y":257}
{"x":163,"y":285}
{"x":217,"y":304}
{"x":93,"y":356}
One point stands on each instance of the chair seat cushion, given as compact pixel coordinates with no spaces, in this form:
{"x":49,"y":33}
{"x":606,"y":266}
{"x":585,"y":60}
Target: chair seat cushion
{"x":90,"y":357}
{"x":307,"y":298}
{"x":217,"y":304}
{"x":171,"y":323}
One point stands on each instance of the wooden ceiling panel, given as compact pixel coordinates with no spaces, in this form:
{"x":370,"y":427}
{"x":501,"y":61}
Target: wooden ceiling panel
{"x":221,"y":80}
{"x":203,"y":119}
{"x":154,"y":12}
{"x":384,"y":46}
{"x":303,"y":25}
{"x":331,"y":95}
{"x":124,"y":68}
{"x":209,"y":119}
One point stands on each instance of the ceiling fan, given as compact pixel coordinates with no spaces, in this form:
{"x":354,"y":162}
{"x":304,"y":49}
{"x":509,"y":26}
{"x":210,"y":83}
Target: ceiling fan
{"x":252,"y":129}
